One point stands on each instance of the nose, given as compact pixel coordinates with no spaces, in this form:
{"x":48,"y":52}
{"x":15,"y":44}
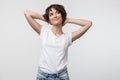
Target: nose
{"x":55,"y":15}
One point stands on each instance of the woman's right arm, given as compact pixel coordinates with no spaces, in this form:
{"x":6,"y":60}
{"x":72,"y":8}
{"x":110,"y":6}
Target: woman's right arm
{"x":31,"y":16}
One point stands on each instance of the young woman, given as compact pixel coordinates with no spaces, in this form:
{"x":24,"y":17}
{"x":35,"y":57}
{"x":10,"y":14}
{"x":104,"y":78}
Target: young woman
{"x":54,"y":42}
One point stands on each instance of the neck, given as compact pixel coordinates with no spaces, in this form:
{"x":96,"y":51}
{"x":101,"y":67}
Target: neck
{"x":57,"y":30}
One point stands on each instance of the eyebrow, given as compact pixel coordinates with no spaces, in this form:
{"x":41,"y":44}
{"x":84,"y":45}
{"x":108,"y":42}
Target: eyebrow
{"x":50,"y":11}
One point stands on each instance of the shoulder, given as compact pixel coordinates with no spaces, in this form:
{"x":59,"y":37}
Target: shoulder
{"x":68,"y":37}
{"x":44,"y":29}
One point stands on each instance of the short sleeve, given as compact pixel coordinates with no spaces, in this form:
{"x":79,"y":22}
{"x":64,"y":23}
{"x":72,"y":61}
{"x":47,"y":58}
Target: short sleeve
{"x":69,"y":38}
{"x":42,"y":33}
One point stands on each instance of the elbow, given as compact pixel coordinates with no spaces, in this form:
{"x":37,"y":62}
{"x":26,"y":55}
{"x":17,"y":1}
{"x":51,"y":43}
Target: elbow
{"x":26,"y":13}
{"x":90,"y":23}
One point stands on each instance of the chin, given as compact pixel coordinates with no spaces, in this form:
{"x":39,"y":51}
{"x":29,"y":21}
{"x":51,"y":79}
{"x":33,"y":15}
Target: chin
{"x":57,"y":24}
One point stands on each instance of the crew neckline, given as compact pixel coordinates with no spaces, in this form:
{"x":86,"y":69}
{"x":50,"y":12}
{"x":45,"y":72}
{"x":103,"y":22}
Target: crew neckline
{"x":56,"y":35}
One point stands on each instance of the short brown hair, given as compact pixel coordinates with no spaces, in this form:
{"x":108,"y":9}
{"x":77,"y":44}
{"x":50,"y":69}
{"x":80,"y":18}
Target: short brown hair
{"x":59,"y":8}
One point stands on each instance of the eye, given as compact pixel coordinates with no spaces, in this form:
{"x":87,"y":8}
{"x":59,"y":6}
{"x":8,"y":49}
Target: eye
{"x":50,"y":14}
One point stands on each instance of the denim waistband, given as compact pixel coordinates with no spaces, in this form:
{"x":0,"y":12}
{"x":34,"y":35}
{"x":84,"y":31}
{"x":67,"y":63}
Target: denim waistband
{"x":54,"y":75}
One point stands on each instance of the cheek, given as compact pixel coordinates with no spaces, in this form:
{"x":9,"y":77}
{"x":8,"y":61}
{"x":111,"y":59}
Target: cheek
{"x":50,"y":19}
{"x":61,"y":17}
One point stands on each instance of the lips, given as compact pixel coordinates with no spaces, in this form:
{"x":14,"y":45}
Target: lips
{"x":55,"y":19}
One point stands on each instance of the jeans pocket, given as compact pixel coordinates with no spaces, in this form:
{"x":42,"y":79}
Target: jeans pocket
{"x":64,"y":76}
{"x":40,"y":77}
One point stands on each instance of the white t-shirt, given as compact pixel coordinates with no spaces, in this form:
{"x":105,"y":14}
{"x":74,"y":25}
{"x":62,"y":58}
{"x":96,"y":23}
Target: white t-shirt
{"x":54,"y":50}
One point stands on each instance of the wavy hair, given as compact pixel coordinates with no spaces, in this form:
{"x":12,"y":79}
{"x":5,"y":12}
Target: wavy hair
{"x":57,"y":7}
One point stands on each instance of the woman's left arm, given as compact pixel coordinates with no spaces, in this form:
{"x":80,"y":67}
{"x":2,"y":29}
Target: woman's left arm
{"x":85,"y":24}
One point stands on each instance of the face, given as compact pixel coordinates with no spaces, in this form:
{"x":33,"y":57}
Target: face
{"x":55,"y":17}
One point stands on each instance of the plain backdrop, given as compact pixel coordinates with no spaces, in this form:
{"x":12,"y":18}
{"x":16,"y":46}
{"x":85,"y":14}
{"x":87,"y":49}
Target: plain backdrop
{"x":94,"y":56}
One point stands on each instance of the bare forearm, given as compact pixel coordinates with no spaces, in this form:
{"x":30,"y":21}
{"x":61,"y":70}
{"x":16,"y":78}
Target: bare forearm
{"x":34,"y":15}
{"x":31,"y":16}
{"x":80,"y":22}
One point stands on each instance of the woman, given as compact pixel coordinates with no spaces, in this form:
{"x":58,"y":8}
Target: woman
{"x":54,"y":42}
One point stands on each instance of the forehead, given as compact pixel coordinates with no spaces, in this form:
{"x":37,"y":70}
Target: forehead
{"x":52,"y":10}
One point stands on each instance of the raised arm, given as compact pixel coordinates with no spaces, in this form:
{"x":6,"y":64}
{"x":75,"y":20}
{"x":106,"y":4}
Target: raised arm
{"x":85,"y":24}
{"x":31,"y":16}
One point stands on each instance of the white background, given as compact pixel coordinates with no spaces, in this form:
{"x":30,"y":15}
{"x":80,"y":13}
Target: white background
{"x":95,"y":56}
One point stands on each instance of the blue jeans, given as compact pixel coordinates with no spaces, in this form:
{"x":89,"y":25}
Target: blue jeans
{"x":61,"y":75}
